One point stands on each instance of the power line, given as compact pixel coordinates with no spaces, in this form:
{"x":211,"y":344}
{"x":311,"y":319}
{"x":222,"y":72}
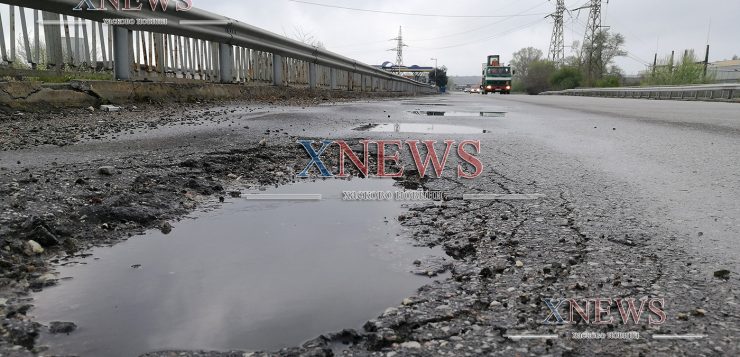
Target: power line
{"x":484,"y":26}
{"x":410,"y":13}
{"x":478,"y":41}
{"x":448,"y":35}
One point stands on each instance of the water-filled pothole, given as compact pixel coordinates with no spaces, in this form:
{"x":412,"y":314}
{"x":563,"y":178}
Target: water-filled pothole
{"x":252,"y":275}
{"x":426,"y":104}
{"x":434,"y":113}
{"x":421,"y":128}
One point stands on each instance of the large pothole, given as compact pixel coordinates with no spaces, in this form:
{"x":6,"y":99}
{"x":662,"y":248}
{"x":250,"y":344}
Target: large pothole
{"x":252,"y":275}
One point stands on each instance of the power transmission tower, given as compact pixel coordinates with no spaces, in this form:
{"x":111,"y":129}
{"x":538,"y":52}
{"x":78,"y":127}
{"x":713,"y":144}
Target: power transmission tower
{"x":557,"y":43}
{"x":591,"y":49}
{"x":399,"y":50}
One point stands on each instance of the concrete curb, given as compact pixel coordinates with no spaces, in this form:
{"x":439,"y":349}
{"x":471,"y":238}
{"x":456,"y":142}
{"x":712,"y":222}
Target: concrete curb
{"x":37,"y":96}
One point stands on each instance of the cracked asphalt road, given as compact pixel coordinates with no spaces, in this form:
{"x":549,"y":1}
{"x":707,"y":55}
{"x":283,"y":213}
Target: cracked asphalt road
{"x":640,"y":201}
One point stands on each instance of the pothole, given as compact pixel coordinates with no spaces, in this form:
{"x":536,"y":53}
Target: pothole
{"x":252,"y":275}
{"x":432,"y":113}
{"x":421,"y":128}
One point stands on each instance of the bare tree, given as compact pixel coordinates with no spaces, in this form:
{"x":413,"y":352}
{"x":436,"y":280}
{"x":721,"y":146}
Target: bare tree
{"x":301,"y":35}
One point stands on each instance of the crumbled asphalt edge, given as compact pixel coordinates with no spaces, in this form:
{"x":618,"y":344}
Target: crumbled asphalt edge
{"x":558,"y":240}
{"x":566,"y":249}
{"x":21,"y":130}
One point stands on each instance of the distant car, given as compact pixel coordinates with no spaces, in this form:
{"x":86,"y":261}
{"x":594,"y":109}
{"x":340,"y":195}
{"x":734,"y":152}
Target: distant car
{"x":467,"y":90}
{"x":475,"y":90}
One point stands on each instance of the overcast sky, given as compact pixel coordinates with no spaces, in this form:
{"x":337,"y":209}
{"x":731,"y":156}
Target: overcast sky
{"x":462,"y":44}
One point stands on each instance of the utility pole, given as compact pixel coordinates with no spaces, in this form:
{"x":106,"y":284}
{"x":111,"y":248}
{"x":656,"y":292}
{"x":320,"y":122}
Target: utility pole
{"x":557,"y":42}
{"x":399,"y":50}
{"x":435,"y":70}
{"x":655,"y":63}
{"x":590,"y":54}
{"x":706,"y":62}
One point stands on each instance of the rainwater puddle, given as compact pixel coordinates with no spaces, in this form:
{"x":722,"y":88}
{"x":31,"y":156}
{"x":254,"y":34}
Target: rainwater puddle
{"x":421,"y":128}
{"x":459,"y":114}
{"x":252,"y":275}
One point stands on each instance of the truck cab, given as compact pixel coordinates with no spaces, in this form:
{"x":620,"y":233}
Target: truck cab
{"x":496,"y":78}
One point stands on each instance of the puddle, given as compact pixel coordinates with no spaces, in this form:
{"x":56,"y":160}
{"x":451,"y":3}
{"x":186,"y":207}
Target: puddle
{"x":252,"y":275}
{"x":421,"y":128}
{"x":459,"y":114}
{"x":426,"y":104}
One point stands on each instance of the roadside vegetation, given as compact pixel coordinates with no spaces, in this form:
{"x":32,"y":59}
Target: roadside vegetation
{"x":688,"y":70}
{"x":536,"y":74}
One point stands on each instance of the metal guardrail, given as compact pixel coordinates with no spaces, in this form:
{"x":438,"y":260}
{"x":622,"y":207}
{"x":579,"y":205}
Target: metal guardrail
{"x":193,"y":44}
{"x":719,"y":92}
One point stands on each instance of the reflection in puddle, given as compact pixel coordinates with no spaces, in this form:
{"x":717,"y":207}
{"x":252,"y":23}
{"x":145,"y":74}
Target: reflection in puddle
{"x":421,"y":128}
{"x":251,"y":275}
{"x":460,"y":114}
{"x":426,"y":104}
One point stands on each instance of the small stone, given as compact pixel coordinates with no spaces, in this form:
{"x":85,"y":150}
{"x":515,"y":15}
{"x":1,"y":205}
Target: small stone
{"x":90,"y":109}
{"x":519,"y":264}
{"x":106,"y":170}
{"x":682,"y":316}
{"x":263,"y":143}
{"x":109,"y":108}
{"x":47,"y":277}
{"x":3,"y":302}
{"x":34,"y":248}
{"x":722,"y":274}
{"x":58,"y":327}
{"x":411,"y":344}
{"x":700,"y":312}
{"x":232,"y":176}
{"x":407,"y":302}
{"x":166,"y":228}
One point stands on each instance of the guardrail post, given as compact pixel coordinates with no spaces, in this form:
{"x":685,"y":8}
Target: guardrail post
{"x":121,"y":55}
{"x":277,"y":70}
{"x":312,"y":78}
{"x":333,"y":78}
{"x":226,"y":62}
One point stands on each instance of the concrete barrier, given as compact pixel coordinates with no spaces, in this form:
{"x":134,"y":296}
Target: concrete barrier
{"x":705,"y":92}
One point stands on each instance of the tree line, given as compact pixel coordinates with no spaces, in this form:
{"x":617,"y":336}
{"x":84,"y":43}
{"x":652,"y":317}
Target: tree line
{"x":536,"y":74}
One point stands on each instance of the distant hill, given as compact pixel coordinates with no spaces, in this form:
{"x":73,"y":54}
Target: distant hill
{"x":465,"y":80}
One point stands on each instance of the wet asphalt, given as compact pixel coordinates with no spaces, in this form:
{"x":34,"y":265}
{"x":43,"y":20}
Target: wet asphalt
{"x":659,"y":179}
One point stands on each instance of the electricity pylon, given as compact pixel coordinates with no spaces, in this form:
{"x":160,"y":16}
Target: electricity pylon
{"x":557,"y":43}
{"x":399,"y":50}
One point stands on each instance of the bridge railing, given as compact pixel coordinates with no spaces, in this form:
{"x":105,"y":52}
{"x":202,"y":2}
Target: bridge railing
{"x":171,"y":45}
{"x":715,"y":92}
